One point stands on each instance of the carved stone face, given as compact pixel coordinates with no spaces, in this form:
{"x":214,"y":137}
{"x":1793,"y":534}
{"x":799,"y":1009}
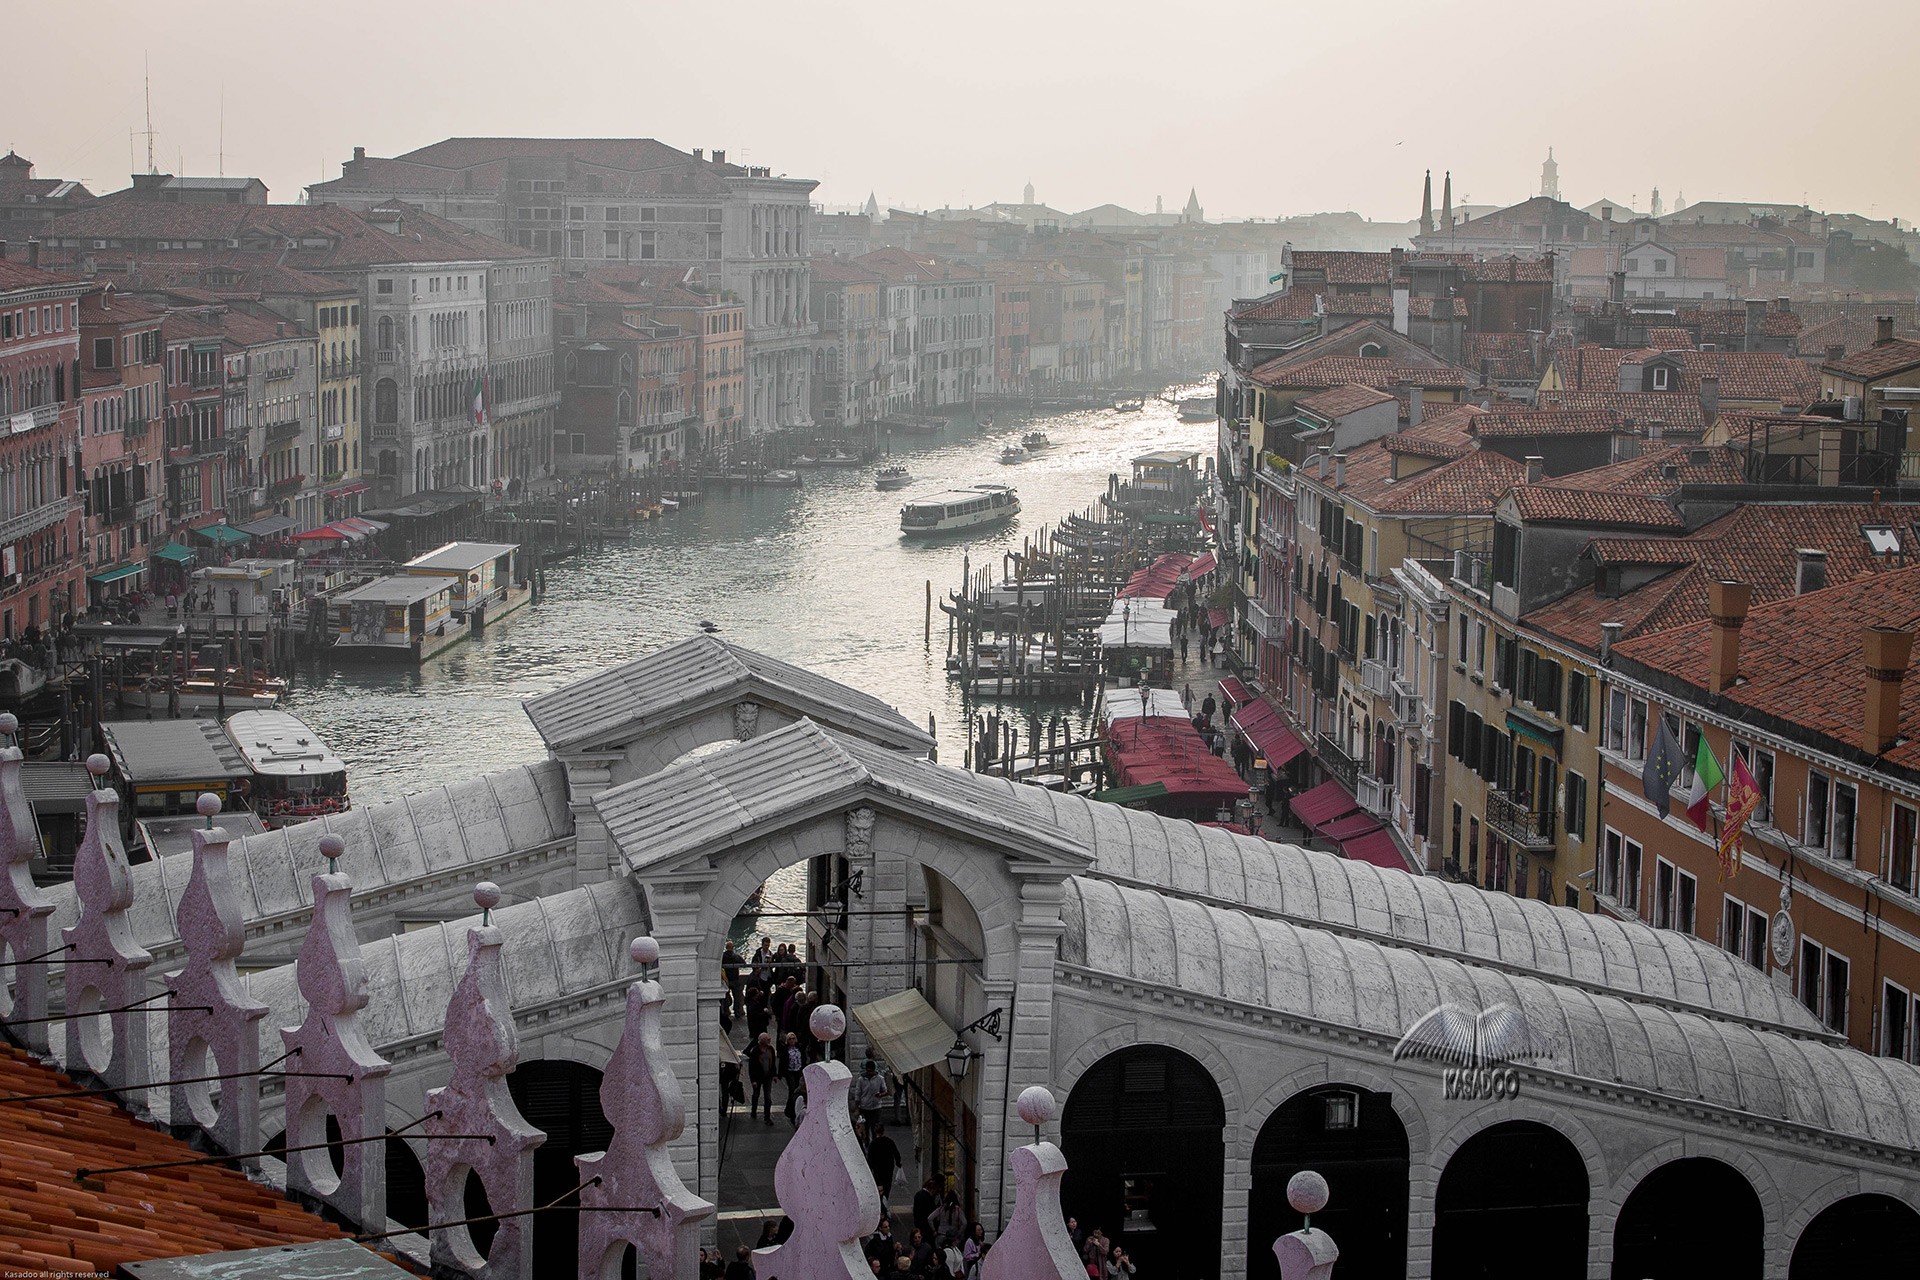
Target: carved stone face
{"x":746,"y":720}
{"x":860,"y":832}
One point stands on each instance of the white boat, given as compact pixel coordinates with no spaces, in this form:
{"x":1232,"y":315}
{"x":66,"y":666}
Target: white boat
{"x":837,"y":459}
{"x":783,"y":477}
{"x":295,"y":776}
{"x":1197,"y":409}
{"x":195,"y":696}
{"x":1016,"y":593}
{"x":970,"y":508}
{"x":1013,"y":455}
{"x":892,"y":477}
{"x":1130,"y":406}
{"x":1035,"y":440}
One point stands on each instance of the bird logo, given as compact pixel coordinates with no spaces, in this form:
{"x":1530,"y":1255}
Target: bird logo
{"x":1477,"y":1046}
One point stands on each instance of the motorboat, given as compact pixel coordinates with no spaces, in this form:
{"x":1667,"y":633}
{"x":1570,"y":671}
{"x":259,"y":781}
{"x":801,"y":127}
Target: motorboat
{"x":895,"y":476}
{"x":1013,"y":455}
{"x":1034,"y":441}
{"x":1130,"y":406}
{"x":838,"y":458}
{"x":1197,"y":409}
{"x":294,"y":776}
{"x":970,"y":508}
{"x":783,"y":477}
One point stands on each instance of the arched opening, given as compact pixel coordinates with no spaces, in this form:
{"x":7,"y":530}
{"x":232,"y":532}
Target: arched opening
{"x":1865,"y":1236}
{"x":406,"y":1185}
{"x":386,"y":401}
{"x":1146,"y":1158}
{"x":562,"y":1100}
{"x":1512,"y":1203}
{"x":1354,"y":1139}
{"x":1687,"y":1218}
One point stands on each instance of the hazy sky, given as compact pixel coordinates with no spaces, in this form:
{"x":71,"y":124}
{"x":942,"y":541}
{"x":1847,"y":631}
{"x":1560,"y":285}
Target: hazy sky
{"x":1267,"y":108}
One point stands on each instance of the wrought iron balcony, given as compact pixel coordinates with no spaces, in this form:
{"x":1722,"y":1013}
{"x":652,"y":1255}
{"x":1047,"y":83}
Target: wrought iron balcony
{"x":1337,"y":762}
{"x":281,"y":488}
{"x":277,"y":431}
{"x":1526,"y":826}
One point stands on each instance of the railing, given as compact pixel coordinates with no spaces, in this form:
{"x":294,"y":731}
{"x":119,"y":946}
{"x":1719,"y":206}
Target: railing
{"x":45,"y":415}
{"x":1262,"y":623}
{"x":28,"y":523}
{"x":146,"y":508}
{"x":281,"y":488}
{"x":277,"y":375}
{"x":383,"y":430}
{"x":1374,"y":678}
{"x":1406,"y":704}
{"x":339,"y":368}
{"x":386,"y":357}
{"x":204,"y":379}
{"x":1338,"y":763}
{"x":283,"y":430}
{"x":134,"y":428}
{"x":1520,"y":822}
{"x":1375,"y":796}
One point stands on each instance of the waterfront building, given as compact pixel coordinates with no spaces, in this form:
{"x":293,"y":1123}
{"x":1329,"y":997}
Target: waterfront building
{"x":629,"y":380}
{"x":274,"y":367}
{"x":201,"y":458}
{"x":940,"y":320}
{"x":123,"y":398}
{"x":1201,"y":998}
{"x":590,"y":201}
{"x":42,"y":540}
{"x":852,"y":346}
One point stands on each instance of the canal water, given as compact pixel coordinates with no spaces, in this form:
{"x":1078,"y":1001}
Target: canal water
{"x":819,"y":576}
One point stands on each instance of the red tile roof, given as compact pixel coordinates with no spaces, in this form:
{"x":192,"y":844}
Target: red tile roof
{"x":1877,"y":361}
{"x":1677,"y":412}
{"x":1514,"y":270}
{"x":1508,"y":423}
{"x":329,"y":236}
{"x":1715,"y":322}
{"x":1661,"y":471}
{"x":51,"y":1224}
{"x":1509,"y":356}
{"x":1668,"y":339}
{"x":836,"y":270}
{"x":1563,"y":503}
{"x":1372,"y":371}
{"x":1469,"y":485}
{"x":902,"y":266}
{"x":1801,"y":660}
{"x":1307,"y":301}
{"x":18,"y":275}
{"x":1342,"y":400}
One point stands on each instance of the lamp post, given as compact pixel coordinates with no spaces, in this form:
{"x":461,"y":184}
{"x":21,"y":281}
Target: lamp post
{"x":961,"y":1056}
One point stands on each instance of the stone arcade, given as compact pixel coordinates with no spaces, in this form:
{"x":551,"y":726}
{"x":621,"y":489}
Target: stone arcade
{"x":1218,"y":1012}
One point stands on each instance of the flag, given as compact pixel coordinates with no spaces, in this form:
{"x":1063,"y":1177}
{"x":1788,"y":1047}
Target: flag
{"x":1743,"y":801}
{"x":1661,"y":770}
{"x":479,"y":401}
{"x":1706,"y":776}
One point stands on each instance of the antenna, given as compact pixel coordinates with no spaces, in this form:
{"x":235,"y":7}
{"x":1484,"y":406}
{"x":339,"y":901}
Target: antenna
{"x":223,"y":131}
{"x":147,"y":78}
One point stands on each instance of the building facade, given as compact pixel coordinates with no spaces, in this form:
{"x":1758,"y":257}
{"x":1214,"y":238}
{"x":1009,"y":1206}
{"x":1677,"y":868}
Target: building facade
{"x":43,"y":557}
{"x":123,"y":400}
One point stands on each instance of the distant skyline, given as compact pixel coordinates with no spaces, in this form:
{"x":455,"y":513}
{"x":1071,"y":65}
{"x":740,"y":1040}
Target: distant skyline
{"x":1266,"y":110}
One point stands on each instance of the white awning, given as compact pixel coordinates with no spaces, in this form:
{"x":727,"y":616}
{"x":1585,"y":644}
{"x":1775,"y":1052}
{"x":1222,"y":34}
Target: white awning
{"x":907,"y":1031}
{"x":1138,"y":624}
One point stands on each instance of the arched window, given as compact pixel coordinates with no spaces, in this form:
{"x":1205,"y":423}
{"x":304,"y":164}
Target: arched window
{"x":623,"y":408}
{"x":386,"y":333}
{"x":386,"y":401}
{"x":1371,"y":350}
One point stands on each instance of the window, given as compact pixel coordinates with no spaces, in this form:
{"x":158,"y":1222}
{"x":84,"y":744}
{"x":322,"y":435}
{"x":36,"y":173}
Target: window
{"x":1479,"y":648}
{"x":1896,"y":1023}
{"x":1901,"y":835}
{"x":1660,"y":374}
{"x":1620,"y":870}
{"x":1473,"y":848}
{"x":1675,"y":894}
{"x":1637,"y":730}
{"x":1616,"y":727}
{"x":1659,"y":265}
{"x":1760,"y":764}
{"x":1579,"y":691}
{"x":1813,"y":824}
{"x":1461,"y":657}
{"x":1576,"y":806}
{"x":1633,"y":265}
{"x":1743,"y":932}
{"x":612,"y":244}
{"x":103,"y":353}
{"x":1846,"y":806}
{"x":1458,"y":813}
{"x":383,"y":286}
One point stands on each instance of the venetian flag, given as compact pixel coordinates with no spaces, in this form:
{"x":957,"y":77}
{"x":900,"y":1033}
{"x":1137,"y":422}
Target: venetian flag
{"x":1706,"y":776}
{"x":1743,"y":801}
{"x":479,"y":401}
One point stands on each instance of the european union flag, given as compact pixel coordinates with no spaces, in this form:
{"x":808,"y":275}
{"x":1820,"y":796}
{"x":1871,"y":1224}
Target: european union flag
{"x":1662,"y":769}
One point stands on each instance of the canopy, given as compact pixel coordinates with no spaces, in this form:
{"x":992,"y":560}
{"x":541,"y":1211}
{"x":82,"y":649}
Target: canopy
{"x":115,"y":575}
{"x":1202,"y":567}
{"x":1235,"y":692}
{"x":1158,"y":580}
{"x":1217,"y":618}
{"x":908,"y":1032}
{"x":175,"y":552}
{"x":1138,"y":624}
{"x":1533,"y":727}
{"x":1267,"y":732}
{"x":325,"y":533}
{"x":1323,"y":803}
{"x":222,"y":534}
{"x":362,"y":524}
{"x":1168,"y":751}
{"x":1132,"y":795}
{"x":1341,"y":830}
{"x":1376,"y":847}
{"x":1118,"y":702}
{"x":266,"y":526}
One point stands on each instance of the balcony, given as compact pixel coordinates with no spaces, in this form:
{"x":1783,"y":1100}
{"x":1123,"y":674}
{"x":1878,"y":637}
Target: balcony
{"x":283,"y":488}
{"x":386,"y":357}
{"x":28,"y":523}
{"x":1407,"y":708}
{"x":1519,"y":822}
{"x":1376,"y":797}
{"x":1338,"y":763}
{"x":339,"y":368}
{"x":146,"y":508}
{"x":45,"y":415}
{"x":280,"y":375}
{"x":1374,"y":678}
{"x":278,"y":431}
{"x":136,"y":428}
{"x":1262,"y":622}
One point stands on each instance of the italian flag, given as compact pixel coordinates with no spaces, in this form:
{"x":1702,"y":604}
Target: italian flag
{"x":1706,"y":776}
{"x":479,"y":401}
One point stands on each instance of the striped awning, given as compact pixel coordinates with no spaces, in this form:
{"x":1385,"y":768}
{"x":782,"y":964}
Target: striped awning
{"x":908,"y":1032}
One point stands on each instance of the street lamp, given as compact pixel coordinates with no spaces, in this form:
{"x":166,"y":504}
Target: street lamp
{"x":961,"y":1056}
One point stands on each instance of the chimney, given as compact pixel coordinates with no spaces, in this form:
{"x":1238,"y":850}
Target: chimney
{"x":1656,"y":433}
{"x":33,"y":252}
{"x":1399,"y":260}
{"x":3,"y":250}
{"x":1727,"y":602}
{"x":1325,"y":464}
{"x":1620,"y":287}
{"x":1630,"y":375}
{"x":1888,"y":650}
{"x":1810,"y":570}
{"x":1783,"y":305}
{"x":1536,"y":468}
{"x":1486,"y":371}
{"x":1836,"y":352}
{"x":1882,"y":330}
{"x":1756,"y":316}
{"x":699,"y":153}
{"x":359,"y":153}
{"x":1339,"y":470}
{"x":1606,"y":213}
{"x":719,"y":156}
{"x":1416,"y":404}
{"x":1709,"y":397}
{"x":1609,"y":636}
{"x":1402,"y":306}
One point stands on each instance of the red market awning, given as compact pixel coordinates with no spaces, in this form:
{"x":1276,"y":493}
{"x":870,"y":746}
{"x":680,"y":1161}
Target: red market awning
{"x":1216,"y":618}
{"x":1267,"y":732}
{"x":325,"y":533}
{"x":1322,"y":804}
{"x":1202,"y":567}
{"x":1376,"y":847}
{"x":349,"y":489}
{"x":1148,"y":749}
{"x":1235,"y":692}
{"x":1158,"y":580}
{"x":1341,"y":830}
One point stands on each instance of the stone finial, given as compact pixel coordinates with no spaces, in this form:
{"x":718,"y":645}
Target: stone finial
{"x":1035,"y":1243}
{"x":860,"y":834}
{"x":333,"y":981}
{"x":497,"y":1142}
{"x":211,"y":1024}
{"x":1309,"y":1253}
{"x":23,"y":907}
{"x":822,"y":1182}
{"x":641,"y":1098}
{"x":746,"y":720}
{"x":1035,"y":1105}
{"x":105,"y":968}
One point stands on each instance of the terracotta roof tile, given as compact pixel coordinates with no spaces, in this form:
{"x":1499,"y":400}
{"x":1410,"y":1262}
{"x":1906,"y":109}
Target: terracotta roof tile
{"x":1469,"y":485}
{"x":18,"y":275}
{"x":1563,"y":503}
{"x":1878,"y":360}
{"x":1509,"y":423}
{"x":1513,"y":270}
{"x":1676,"y":412}
{"x":1668,"y":339}
{"x":1372,"y":371}
{"x":902,"y":266}
{"x":1661,"y":471}
{"x":1509,"y":356}
{"x":1717,"y":322}
{"x":1342,"y":400}
{"x":48,"y":1219}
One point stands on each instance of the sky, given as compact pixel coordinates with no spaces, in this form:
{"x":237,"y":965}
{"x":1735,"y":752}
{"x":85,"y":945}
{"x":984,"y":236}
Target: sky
{"x":1267,"y":109}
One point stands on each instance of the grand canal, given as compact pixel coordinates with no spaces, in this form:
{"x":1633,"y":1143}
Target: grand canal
{"x":819,"y":576}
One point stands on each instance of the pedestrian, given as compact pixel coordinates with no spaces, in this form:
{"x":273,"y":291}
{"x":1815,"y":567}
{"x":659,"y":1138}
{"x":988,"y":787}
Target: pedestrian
{"x":1207,"y":706}
{"x":763,"y":1065}
{"x":975,"y":1248}
{"x":1186,"y":692}
{"x":925,"y":1201}
{"x":879,"y":1246}
{"x":869,"y":1093}
{"x":735,"y":970}
{"x":883,"y":1160}
{"x":758,"y":1014}
{"x":1183,"y":646}
{"x":791,"y":1065}
{"x":948,"y":1222}
{"x":741,"y":1268}
{"x":1118,"y":1265}
{"x":769,"y":1234}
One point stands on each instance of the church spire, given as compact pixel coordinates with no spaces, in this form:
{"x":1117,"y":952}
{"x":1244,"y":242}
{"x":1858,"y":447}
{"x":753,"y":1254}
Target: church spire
{"x":1426,"y":206}
{"x":1446,"y":203}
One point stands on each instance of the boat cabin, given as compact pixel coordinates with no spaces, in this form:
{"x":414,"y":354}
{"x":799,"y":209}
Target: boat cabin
{"x":484,"y":573}
{"x":294,"y":775}
{"x":399,"y":616}
{"x":1167,"y":471}
{"x":254,"y":591}
{"x":160,"y":769}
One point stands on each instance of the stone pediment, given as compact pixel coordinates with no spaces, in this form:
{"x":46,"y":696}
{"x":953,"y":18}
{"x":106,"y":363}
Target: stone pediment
{"x":650,"y":694}
{"x":675,"y":821}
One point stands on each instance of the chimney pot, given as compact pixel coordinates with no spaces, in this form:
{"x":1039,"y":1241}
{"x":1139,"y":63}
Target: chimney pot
{"x":1609,"y":636}
{"x":1783,"y":305}
{"x":1883,"y":329}
{"x":1536,"y":468}
{"x":1710,"y":397}
{"x":1888,"y":650}
{"x":1324,"y":464}
{"x":1810,"y":570}
{"x":1339,"y":470}
{"x":1836,"y":352}
{"x":719,"y":156}
{"x":1727,"y":602}
{"x":1416,"y":404}
{"x":359,"y":153}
